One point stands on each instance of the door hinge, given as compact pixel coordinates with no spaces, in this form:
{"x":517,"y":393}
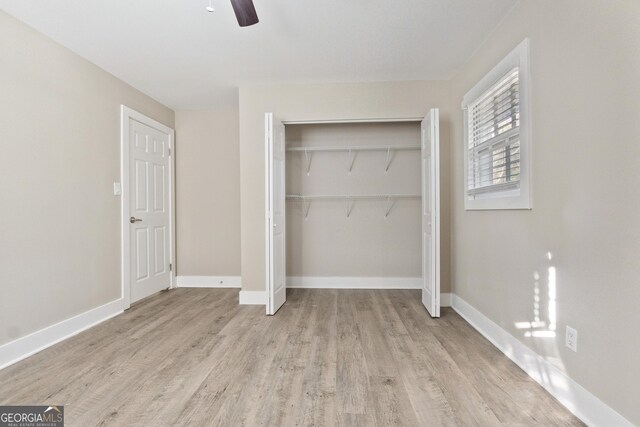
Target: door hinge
{"x":170,"y":267}
{"x":169,"y":150}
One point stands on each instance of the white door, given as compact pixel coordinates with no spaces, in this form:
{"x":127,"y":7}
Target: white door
{"x":431,"y":213}
{"x":275,"y":218}
{"x":149,"y":210}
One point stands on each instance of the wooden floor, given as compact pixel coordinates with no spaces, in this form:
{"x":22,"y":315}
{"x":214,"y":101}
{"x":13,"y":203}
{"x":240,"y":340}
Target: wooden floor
{"x":329,"y":357}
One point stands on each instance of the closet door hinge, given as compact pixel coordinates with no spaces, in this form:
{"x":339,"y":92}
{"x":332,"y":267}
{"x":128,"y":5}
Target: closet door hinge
{"x":169,"y":149}
{"x":170,"y":267}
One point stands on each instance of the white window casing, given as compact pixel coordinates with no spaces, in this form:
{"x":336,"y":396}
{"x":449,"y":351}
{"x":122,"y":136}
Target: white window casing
{"x":497,"y":136}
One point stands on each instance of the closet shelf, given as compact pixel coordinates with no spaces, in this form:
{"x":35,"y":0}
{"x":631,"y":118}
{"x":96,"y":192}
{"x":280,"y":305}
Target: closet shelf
{"x":351,"y":150}
{"x":347,"y":196}
{"x":355,"y":148}
{"x":350,"y":200}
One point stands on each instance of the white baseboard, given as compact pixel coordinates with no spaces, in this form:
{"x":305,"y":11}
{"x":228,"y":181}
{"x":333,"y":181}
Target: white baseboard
{"x":312,"y":282}
{"x":253,"y":297}
{"x":208,"y":281}
{"x":446,"y":300}
{"x":24,"y":347}
{"x":576,"y":398}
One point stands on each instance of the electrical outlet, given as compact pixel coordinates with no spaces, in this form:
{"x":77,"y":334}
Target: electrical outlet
{"x":571,"y":339}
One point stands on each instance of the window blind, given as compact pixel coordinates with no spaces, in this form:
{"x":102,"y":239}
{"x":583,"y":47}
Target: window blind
{"x":494,"y":138}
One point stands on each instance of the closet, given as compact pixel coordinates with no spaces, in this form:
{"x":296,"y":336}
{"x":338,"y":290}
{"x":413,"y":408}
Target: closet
{"x":352,"y":204}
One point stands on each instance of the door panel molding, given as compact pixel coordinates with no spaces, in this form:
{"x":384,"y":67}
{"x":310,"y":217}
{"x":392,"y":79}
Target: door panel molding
{"x":275,"y":219}
{"x":430,"y":165}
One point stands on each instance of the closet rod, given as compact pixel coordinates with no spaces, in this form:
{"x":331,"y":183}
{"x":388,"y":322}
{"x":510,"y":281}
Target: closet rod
{"x":343,"y":196}
{"x":356,"y":148}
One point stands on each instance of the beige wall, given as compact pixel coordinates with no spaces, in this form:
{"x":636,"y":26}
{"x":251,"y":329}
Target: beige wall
{"x":366,"y":244}
{"x":208,"y":193}
{"x":59,"y":220}
{"x":585,"y":63}
{"x":324,"y":102}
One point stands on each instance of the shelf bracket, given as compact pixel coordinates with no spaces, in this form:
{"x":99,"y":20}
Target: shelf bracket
{"x":307,"y":204}
{"x":349,"y":206}
{"x":351,"y":157}
{"x":390,"y":203}
{"x":308,"y":157}
{"x":388,"y":161}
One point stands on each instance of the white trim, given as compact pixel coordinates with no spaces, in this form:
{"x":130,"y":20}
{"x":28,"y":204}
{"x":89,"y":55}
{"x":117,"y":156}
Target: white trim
{"x":522,"y":199}
{"x":208,"y":282}
{"x":268,"y":119}
{"x":127,"y":113}
{"x":572,"y":395}
{"x":328,"y":282}
{"x":172,"y":203}
{"x":253,"y":297}
{"x":347,"y":121}
{"x":28,"y":345}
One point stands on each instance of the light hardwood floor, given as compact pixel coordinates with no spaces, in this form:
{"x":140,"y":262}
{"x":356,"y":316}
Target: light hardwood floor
{"x":329,"y":357}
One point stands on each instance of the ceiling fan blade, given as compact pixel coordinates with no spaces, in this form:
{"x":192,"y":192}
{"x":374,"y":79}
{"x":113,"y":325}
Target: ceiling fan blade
{"x":245,"y":12}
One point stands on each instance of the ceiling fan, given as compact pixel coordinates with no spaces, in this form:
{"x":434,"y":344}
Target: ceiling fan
{"x":244,"y":10}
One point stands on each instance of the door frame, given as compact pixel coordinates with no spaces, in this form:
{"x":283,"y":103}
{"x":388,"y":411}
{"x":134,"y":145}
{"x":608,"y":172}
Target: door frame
{"x":306,"y":120}
{"x":267,"y":213}
{"x":127,"y":114}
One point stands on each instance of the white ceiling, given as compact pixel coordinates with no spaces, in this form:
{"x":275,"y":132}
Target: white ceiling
{"x":183,"y":56}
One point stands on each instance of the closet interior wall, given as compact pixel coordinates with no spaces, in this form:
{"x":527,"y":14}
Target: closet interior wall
{"x":352,"y":239}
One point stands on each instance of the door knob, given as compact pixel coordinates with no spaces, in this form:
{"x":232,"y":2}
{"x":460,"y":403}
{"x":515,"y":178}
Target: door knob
{"x":133,"y":220}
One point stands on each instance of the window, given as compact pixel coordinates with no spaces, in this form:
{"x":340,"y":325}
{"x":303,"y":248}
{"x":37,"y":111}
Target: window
{"x":497,"y":142}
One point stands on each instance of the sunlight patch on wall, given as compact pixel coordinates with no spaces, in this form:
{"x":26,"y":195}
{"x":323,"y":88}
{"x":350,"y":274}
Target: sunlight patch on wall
{"x":538,"y":328}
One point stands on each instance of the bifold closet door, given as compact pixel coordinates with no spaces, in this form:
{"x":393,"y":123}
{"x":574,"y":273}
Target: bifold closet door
{"x":431,"y":212}
{"x":275,"y":215}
